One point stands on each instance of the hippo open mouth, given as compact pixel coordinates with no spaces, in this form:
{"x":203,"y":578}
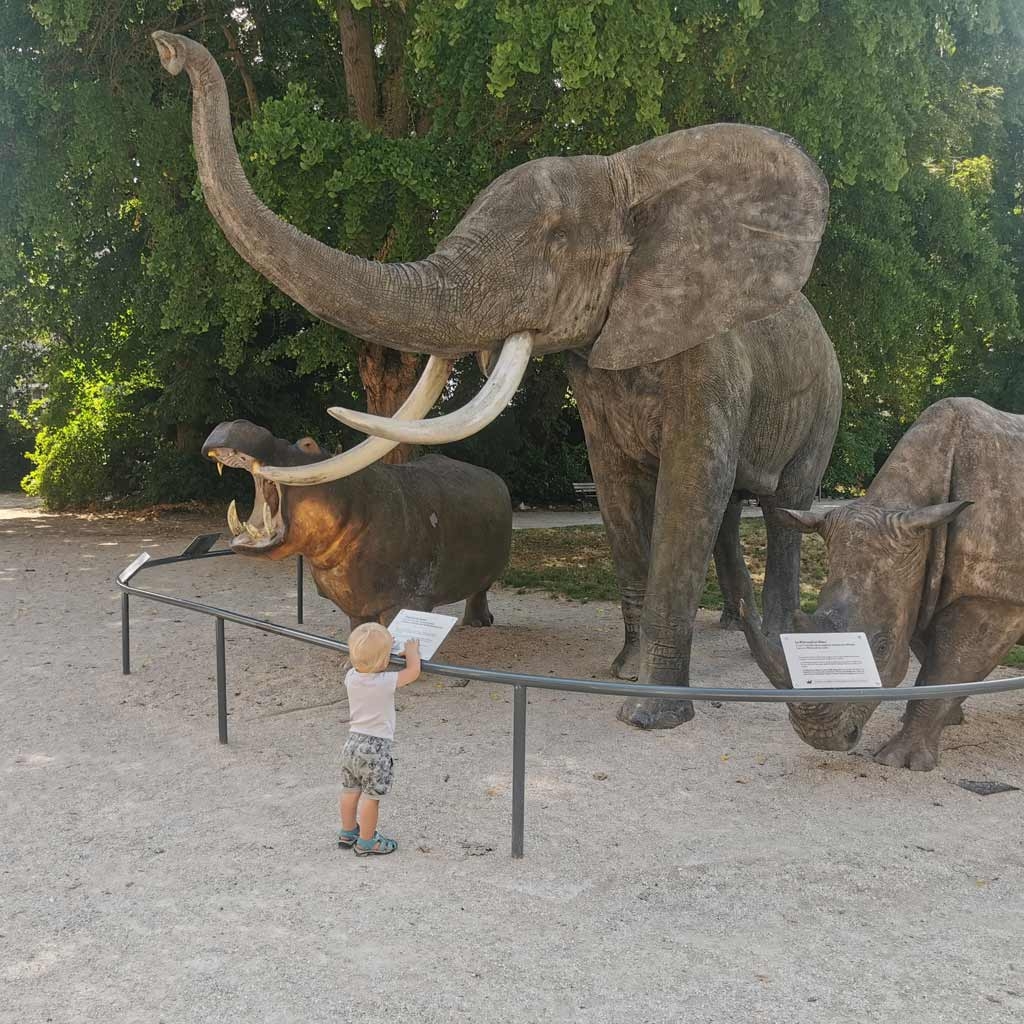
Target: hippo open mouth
{"x":264,"y":529}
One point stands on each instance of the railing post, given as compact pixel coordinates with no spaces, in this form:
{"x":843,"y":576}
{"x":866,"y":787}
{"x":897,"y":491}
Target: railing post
{"x":298,"y":589}
{"x":222,"y":683}
{"x":518,"y":769}
{"x":126,"y":657}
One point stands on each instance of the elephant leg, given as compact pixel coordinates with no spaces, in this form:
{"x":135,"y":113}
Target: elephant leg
{"x":358,"y":620}
{"x":798,"y":483}
{"x":780,"y":596}
{"x":967,"y":640}
{"x":731,"y":567}
{"x":477,"y":612}
{"x":626,"y":495}
{"x":698,"y":467}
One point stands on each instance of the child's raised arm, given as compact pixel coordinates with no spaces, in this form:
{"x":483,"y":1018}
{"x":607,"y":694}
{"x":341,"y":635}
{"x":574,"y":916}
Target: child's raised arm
{"x":411,"y":672}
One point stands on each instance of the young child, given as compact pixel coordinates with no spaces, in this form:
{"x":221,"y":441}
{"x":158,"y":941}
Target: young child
{"x":366,"y":767}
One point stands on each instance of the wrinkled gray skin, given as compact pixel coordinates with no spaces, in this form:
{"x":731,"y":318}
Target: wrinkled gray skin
{"x":414,"y":536}
{"x":671,"y":274}
{"x":931,"y":560}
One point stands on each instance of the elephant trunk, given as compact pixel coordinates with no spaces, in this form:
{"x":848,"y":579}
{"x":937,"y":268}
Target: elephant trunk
{"x":399,"y":305}
{"x":767,"y":651}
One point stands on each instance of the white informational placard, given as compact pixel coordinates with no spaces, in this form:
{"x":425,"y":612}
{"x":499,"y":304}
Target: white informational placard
{"x":428,"y":628}
{"x":825,"y":660}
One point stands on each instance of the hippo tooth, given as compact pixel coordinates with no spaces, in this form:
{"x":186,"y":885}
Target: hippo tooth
{"x":268,"y":523}
{"x":252,"y":531}
{"x":234,"y":524}
{"x":220,"y":469}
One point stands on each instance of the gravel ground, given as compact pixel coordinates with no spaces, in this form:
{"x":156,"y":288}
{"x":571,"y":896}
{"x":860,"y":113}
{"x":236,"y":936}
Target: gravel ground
{"x":719,"y":872}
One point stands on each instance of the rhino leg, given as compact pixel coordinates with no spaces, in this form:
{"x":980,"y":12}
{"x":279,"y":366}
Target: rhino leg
{"x":966,"y":641}
{"x":731,"y":567}
{"x":477,"y":613}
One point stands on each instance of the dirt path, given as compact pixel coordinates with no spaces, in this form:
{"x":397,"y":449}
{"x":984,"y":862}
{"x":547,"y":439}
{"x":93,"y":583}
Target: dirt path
{"x":719,"y":872}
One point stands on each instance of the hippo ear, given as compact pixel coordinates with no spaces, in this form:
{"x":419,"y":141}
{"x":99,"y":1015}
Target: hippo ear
{"x":309,"y":446}
{"x":930,"y":516}
{"x":805,"y":522}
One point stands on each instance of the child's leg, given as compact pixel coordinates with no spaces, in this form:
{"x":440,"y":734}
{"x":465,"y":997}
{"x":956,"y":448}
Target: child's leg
{"x":370,"y":810}
{"x":348,"y":803}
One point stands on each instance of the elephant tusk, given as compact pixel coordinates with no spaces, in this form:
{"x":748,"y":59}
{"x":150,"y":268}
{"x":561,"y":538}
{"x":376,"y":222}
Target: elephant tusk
{"x":489,"y":402}
{"x":427,"y":391}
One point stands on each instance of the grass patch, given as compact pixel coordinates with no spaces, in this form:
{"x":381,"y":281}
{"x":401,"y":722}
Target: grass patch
{"x":576,"y":562}
{"x":1015,"y":659}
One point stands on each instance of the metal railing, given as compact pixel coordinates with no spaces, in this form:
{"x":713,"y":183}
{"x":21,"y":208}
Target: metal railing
{"x":200,"y":548}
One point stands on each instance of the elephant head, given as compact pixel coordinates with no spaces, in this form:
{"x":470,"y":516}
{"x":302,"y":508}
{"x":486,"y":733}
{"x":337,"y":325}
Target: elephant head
{"x":630,"y":258}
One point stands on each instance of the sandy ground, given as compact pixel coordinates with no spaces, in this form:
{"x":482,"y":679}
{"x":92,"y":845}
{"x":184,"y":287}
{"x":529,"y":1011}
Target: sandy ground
{"x":720,"y":872}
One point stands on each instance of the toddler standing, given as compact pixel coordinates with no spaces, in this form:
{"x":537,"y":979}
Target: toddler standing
{"x":367,"y":769}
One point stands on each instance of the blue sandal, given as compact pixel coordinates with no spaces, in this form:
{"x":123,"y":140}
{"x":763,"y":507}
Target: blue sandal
{"x":377,"y":845}
{"x":347,"y":837}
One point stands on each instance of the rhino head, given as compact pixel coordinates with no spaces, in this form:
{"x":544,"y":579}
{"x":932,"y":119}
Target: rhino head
{"x":877,"y":560}
{"x":240,"y":444}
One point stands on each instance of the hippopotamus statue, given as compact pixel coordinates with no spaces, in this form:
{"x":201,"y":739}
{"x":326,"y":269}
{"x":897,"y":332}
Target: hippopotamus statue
{"x":415,"y":536}
{"x":931,"y":560}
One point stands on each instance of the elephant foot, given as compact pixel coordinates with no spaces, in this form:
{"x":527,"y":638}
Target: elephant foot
{"x":627,"y":663}
{"x":730,"y":620}
{"x":655,"y":712}
{"x":477,"y":613}
{"x":907,"y":750}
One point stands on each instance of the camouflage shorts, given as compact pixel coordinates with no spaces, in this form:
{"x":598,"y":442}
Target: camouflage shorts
{"x":366,"y":764}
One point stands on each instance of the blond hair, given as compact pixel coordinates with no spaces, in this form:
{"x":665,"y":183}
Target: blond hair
{"x":369,"y":647}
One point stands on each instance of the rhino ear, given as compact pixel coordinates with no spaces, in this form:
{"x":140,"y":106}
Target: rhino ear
{"x":805,"y":522}
{"x":724,"y":224}
{"x":309,"y":446}
{"x":930,"y":516}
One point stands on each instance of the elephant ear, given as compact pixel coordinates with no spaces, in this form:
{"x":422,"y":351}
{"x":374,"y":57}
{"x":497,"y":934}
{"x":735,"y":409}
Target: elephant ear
{"x":725,"y":222}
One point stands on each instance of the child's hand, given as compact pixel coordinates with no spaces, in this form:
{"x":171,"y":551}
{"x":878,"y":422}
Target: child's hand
{"x":411,"y":672}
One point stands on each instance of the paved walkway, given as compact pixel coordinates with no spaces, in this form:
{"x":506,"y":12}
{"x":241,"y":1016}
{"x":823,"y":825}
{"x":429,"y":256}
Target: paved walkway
{"x":522,"y":519}
{"x":15,"y":499}
{"x":546,"y":519}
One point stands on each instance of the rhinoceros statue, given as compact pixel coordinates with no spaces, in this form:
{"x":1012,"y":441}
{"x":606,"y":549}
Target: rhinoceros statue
{"x":418,"y":535}
{"x":930,"y":560}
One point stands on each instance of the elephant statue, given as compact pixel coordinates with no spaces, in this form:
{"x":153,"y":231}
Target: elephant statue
{"x":671,"y":275}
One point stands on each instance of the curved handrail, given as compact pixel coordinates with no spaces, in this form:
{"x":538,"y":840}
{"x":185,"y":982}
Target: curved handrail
{"x":603,"y":687}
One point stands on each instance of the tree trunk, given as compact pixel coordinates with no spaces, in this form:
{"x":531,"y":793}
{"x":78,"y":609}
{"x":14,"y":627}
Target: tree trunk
{"x":388,"y":377}
{"x":188,"y":437}
{"x":243,"y":70}
{"x":394,"y":97}
{"x":360,"y":62}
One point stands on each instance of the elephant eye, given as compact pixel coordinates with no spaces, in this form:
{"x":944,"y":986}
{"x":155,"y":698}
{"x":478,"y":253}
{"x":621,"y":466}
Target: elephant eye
{"x":559,"y":235}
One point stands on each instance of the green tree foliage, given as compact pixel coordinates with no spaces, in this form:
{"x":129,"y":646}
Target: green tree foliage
{"x":130,"y":326}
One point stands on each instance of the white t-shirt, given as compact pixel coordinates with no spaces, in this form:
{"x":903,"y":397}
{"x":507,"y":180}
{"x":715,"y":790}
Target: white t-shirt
{"x":371,"y":702}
